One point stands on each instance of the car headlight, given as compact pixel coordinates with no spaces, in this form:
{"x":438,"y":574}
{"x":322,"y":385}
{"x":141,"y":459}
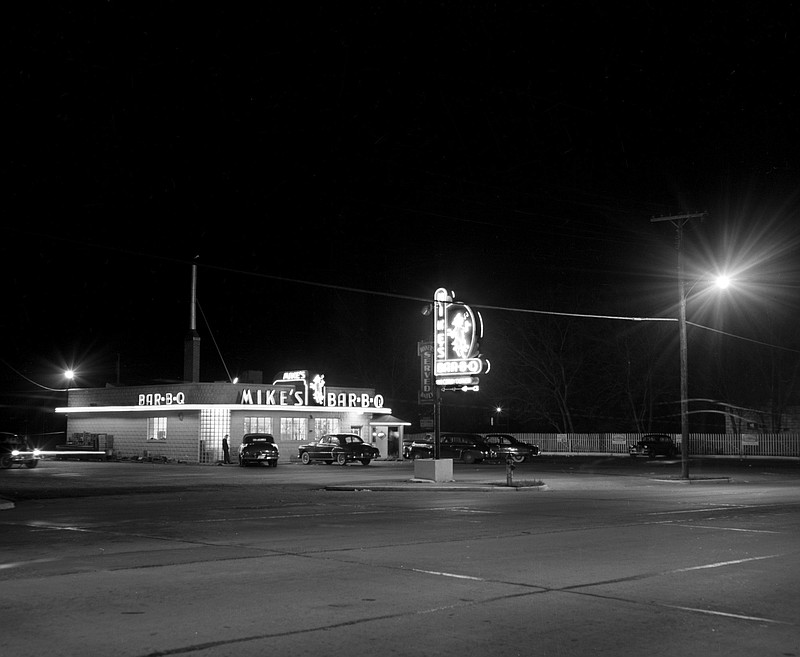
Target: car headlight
{"x":14,"y":452}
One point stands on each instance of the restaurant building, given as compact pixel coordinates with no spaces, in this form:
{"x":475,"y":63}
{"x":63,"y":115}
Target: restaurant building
{"x":187,"y":421}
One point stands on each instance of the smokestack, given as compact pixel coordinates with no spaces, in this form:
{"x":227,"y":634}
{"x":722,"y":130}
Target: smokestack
{"x":191,"y":348}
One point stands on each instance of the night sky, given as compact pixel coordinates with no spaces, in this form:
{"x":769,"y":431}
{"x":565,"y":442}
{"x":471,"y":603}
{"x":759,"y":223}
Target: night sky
{"x":328,"y":169}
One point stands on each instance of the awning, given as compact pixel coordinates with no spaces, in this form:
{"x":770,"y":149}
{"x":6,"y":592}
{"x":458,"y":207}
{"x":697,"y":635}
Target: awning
{"x":388,"y":420}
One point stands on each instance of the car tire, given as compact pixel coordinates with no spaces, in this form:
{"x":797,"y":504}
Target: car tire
{"x":5,"y":462}
{"x":341,"y":459}
{"x":305,"y":458}
{"x":517,"y":458}
{"x":651,"y":453}
{"x":468,"y":458}
{"x":31,"y":464}
{"x":365,"y":461}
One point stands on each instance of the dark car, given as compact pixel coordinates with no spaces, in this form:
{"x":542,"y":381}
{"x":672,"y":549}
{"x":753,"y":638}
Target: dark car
{"x":505,"y":445}
{"x":466,"y":447}
{"x":341,"y":448}
{"x":652,"y":445}
{"x":258,"y":448}
{"x":15,"y":449}
{"x":410,"y":443}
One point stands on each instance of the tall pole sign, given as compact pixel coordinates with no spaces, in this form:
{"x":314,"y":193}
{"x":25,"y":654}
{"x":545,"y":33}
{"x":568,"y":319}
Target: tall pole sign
{"x":457,"y":361}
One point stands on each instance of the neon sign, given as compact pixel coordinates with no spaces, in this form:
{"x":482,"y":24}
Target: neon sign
{"x":288,"y":397}
{"x":158,"y":399}
{"x":457,"y":331}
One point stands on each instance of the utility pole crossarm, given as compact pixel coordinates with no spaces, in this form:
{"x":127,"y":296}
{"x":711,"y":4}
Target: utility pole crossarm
{"x":679,"y":217}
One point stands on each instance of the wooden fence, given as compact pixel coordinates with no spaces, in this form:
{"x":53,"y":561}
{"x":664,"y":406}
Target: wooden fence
{"x":700,"y":444}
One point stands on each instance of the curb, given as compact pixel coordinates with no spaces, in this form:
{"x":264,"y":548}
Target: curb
{"x":430,"y":485}
{"x":693,"y":480}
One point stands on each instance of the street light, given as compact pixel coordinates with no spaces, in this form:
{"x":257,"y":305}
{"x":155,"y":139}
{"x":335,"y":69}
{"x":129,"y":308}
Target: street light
{"x":678,"y":221}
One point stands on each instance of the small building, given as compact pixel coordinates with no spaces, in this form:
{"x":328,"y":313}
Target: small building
{"x":186,"y":421}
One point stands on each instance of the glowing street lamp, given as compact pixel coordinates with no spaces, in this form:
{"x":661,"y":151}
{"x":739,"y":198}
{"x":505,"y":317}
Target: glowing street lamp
{"x":722,"y":281}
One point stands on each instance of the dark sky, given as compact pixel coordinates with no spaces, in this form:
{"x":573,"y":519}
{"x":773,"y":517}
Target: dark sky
{"x":513,"y":154}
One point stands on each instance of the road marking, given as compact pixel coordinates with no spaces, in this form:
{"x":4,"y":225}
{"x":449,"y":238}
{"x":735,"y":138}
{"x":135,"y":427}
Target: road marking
{"x":441,"y":574}
{"x":728,"y":529}
{"x":707,"y":509}
{"x":18,"y":564}
{"x":727,"y":615}
{"x":720,"y":564}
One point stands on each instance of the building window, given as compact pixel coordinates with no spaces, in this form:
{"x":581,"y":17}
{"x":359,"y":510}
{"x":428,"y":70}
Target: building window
{"x":258,"y":425}
{"x":214,"y":424}
{"x":356,"y":430}
{"x":294,"y":428}
{"x":326,"y":425}
{"x":156,"y":428}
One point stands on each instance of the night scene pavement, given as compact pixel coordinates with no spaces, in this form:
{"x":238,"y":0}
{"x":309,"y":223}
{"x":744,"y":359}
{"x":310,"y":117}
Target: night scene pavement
{"x":230,"y":561}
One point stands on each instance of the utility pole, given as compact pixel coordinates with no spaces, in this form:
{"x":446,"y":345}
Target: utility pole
{"x":678,"y":221}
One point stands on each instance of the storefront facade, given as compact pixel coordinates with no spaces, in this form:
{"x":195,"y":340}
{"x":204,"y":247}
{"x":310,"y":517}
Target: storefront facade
{"x":186,"y":422}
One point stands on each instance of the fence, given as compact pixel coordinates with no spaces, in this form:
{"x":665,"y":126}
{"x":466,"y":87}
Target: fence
{"x":700,"y":444}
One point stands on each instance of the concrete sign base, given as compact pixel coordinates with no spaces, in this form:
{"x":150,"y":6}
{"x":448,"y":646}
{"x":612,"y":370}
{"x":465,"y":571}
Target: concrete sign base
{"x":433,"y":469}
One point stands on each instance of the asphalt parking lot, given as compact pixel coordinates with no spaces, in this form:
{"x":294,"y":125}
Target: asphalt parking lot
{"x":53,"y":479}
{"x":606,"y":556}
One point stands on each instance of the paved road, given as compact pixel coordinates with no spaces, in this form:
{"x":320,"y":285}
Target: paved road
{"x":610,"y":557}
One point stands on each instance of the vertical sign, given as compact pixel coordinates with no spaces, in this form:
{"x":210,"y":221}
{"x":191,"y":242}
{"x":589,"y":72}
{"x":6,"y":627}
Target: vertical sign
{"x":425,"y":352}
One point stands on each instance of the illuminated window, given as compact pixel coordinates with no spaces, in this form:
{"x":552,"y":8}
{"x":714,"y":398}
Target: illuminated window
{"x":258,"y":425}
{"x":356,"y":430}
{"x":326,"y":425}
{"x":294,"y":428}
{"x":156,"y":428}
{"x":214,"y":424}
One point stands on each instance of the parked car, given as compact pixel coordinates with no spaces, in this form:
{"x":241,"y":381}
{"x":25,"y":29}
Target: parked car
{"x":466,"y":447}
{"x":258,"y":448}
{"x":652,"y":445}
{"x":409,"y":444}
{"x":15,"y":449}
{"x":505,"y":445}
{"x":341,"y":448}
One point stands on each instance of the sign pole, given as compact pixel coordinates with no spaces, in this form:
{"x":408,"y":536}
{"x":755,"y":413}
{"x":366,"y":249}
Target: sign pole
{"x":437,"y":421}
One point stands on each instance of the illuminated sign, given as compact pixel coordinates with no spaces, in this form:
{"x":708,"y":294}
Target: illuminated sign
{"x":458,"y":381}
{"x":158,"y":399}
{"x":288,"y":397}
{"x":457,"y":331}
{"x":426,"y":390}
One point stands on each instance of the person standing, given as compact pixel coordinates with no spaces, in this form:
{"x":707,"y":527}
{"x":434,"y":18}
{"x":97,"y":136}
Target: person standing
{"x":226,"y":454}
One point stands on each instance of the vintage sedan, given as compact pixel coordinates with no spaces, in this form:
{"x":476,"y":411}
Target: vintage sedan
{"x":340,"y":448}
{"x":505,"y":445}
{"x":258,"y":448}
{"x":652,"y":445}
{"x":15,"y":450}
